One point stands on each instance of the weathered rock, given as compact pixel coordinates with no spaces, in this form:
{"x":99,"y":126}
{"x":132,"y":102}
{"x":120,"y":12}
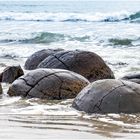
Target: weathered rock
{"x":88,"y":64}
{"x":11,"y":73}
{"x":132,"y":77}
{"x":109,"y":96}
{"x":0,"y":77}
{"x":0,"y":89}
{"x":36,"y":58}
{"x":48,"y":84}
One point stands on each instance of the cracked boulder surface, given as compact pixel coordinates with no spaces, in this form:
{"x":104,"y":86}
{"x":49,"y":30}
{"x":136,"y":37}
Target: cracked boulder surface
{"x":87,"y":64}
{"x":11,"y":73}
{"x":109,"y":96}
{"x":134,"y":77}
{"x":37,"y":57}
{"x":51,"y":84}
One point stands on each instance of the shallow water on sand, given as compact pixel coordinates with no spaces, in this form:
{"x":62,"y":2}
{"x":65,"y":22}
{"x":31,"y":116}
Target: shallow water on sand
{"x":39,"y":119}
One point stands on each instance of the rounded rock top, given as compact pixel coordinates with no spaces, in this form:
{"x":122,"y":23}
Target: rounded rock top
{"x":11,"y":73}
{"x":37,"y":57}
{"x":109,"y":96}
{"x":51,"y":84}
{"x":88,"y":64}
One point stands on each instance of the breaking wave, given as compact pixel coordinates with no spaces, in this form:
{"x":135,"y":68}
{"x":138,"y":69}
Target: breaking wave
{"x":46,"y":38}
{"x":50,"y":37}
{"x":71,"y":17}
{"x":135,"y":17}
{"x":124,"y":42}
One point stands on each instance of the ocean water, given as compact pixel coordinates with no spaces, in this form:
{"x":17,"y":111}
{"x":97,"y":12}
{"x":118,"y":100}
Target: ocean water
{"x":109,"y":28}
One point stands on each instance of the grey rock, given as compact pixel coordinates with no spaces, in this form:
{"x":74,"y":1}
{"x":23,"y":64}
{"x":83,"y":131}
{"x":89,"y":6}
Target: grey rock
{"x":88,"y":64}
{"x":0,"y":89}
{"x":48,"y":84}
{"x":134,"y":77}
{"x":11,"y":73}
{"x":109,"y":96}
{"x":36,"y":58}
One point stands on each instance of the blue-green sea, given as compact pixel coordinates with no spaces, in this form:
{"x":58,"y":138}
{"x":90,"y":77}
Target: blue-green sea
{"x":110,"y":28}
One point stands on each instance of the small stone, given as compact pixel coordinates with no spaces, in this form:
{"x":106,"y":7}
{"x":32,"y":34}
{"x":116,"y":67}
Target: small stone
{"x":11,"y":73}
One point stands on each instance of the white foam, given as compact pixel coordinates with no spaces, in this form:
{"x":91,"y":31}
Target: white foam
{"x":118,"y":123}
{"x":55,"y":110}
{"x":46,"y":16}
{"x":8,"y":101}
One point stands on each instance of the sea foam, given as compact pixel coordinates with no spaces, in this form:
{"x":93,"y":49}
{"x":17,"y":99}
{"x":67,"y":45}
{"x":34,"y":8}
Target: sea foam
{"x":70,"y":17}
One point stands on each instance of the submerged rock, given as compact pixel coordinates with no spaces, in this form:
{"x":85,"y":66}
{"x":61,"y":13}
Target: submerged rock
{"x":11,"y":73}
{"x":109,"y":96}
{"x":48,"y":84}
{"x":36,"y":58}
{"x":88,"y":64}
{"x":132,"y":77}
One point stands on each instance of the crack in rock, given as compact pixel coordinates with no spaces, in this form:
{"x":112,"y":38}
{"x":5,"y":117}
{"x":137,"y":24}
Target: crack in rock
{"x":26,"y":82}
{"x":62,"y":62}
{"x":98,"y":104}
{"x":130,"y":88}
{"x":37,"y":82}
{"x":65,"y":52}
{"x":50,"y":84}
{"x":50,"y":58}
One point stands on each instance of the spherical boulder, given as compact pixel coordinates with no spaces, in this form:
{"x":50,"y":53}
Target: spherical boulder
{"x":48,"y":84}
{"x":109,"y":96}
{"x":88,"y":64}
{"x":33,"y":61}
{"x":132,"y":77}
{"x":11,"y":73}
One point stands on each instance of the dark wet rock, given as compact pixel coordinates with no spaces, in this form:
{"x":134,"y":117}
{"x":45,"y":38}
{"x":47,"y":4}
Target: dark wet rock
{"x":0,"y":77}
{"x":0,"y":89}
{"x":11,"y":73}
{"x":132,"y":77}
{"x":88,"y":64}
{"x":36,"y":58}
{"x":48,"y":84}
{"x":109,"y":96}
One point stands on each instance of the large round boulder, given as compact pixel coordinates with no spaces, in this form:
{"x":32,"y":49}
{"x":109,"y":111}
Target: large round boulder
{"x":88,"y":64}
{"x":132,"y":77}
{"x":37,"y":57}
{"x":48,"y":84}
{"x":109,"y":96}
{"x":11,"y":73}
